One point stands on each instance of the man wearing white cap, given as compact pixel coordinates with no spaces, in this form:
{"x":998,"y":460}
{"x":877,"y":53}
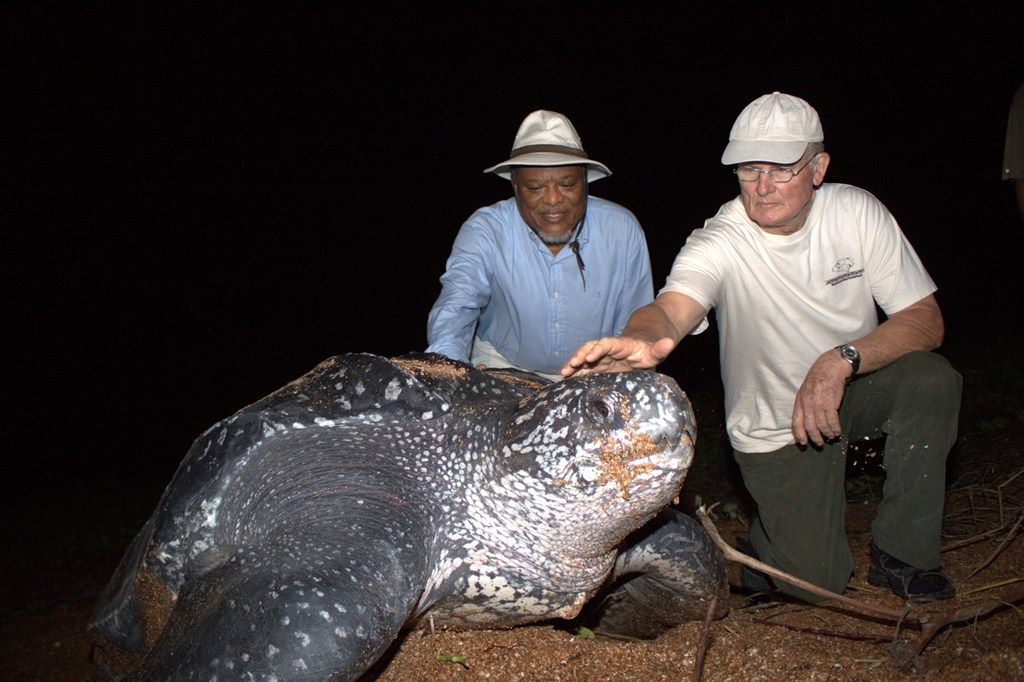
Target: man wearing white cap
{"x":794,"y":269}
{"x":532,"y":277}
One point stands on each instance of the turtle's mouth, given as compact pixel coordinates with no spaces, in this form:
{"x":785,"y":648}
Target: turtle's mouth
{"x":675,"y":451}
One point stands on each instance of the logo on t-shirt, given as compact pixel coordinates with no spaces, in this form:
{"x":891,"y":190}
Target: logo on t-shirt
{"x":844,"y":266}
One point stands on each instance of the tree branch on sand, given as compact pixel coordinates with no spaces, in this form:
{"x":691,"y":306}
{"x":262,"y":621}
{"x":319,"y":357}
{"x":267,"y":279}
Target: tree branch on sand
{"x":906,"y":655}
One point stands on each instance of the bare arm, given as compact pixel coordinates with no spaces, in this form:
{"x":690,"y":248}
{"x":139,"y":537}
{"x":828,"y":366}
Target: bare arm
{"x":919,"y":326}
{"x":650,"y":335}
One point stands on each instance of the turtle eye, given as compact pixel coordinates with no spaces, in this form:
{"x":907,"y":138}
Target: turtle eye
{"x":599,"y":411}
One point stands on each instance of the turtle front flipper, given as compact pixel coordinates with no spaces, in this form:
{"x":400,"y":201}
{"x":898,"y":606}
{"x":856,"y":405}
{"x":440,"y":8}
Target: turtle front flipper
{"x":666,"y":577}
{"x":307,"y":563}
{"x":116,"y":616}
{"x":298,"y":606}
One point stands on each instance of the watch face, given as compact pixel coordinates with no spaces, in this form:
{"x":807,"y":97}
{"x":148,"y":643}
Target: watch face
{"x":852,"y":356}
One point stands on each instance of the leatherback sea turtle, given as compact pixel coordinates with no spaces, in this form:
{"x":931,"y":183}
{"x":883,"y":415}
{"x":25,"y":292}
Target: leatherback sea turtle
{"x":300,"y":535}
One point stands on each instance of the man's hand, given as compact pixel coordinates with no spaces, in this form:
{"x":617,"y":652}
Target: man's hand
{"x":651,"y":333}
{"x":816,"y":409}
{"x":616,"y":354}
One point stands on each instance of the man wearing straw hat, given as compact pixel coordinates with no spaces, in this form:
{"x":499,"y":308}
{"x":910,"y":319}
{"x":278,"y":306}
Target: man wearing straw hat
{"x":794,"y":269}
{"x":532,"y":277}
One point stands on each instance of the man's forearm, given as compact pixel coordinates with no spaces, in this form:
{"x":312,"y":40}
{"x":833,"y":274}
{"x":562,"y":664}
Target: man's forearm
{"x":651,"y":323}
{"x":918,"y":327}
{"x":672,"y":315}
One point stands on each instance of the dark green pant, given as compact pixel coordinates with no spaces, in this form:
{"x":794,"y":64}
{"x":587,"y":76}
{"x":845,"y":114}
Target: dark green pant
{"x":800,"y":494}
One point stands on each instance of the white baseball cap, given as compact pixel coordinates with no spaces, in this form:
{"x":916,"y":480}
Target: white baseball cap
{"x":547,"y":138}
{"x":774,"y":128}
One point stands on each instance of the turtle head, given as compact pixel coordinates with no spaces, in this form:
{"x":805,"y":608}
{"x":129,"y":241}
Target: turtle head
{"x":604,"y":452}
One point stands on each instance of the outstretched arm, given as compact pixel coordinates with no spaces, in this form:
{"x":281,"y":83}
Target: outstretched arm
{"x":650,"y":335}
{"x":465,"y":291}
{"x":919,"y":326}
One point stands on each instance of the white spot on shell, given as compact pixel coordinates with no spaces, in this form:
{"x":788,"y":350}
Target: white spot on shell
{"x":392,"y":390}
{"x":210,"y":512}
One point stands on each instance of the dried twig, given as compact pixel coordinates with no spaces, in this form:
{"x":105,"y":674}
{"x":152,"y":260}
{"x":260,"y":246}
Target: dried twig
{"x":793,"y":608}
{"x":991,"y":586}
{"x":761,"y":606}
{"x":1002,"y":545}
{"x":975,"y":538}
{"x":983,"y":498}
{"x":999,"y":490}
{"x":906,"y":655}
{"x":705,"y":635}
{"x":828,"y":632}
{"x":739,"y":557}
{"x":961,"y":615}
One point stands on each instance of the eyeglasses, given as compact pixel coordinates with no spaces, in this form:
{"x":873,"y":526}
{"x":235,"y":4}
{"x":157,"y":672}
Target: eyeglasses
{"x":778,"y":175}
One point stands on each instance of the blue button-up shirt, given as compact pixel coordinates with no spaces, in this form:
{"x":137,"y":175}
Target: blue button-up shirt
{"x":503,"y":284}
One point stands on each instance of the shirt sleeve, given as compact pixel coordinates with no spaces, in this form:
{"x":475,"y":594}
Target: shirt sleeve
{"x":897,"y":276}
{"x":465,"y":291}
{"x":697,"y":272}
{"x":638,"y":286}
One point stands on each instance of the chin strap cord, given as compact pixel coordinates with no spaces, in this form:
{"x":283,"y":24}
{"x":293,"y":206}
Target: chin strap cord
{"x":574,"y":245}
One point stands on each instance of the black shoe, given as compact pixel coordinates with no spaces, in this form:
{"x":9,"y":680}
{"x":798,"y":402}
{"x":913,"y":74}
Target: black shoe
{"x":913,"y":584}
{"x":751,"y":580}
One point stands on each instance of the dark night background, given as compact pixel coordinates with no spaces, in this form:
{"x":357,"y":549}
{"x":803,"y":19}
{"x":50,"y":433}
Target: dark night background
{"x":202,"y":203}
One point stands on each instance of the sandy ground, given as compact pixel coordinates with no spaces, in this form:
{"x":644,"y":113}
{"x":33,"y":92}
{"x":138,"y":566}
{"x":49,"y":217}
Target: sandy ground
{"x":63,"y":547}
{"x":758,"y":642}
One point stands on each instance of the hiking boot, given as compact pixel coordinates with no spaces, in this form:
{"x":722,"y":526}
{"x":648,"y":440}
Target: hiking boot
{"x":751,"y":580}
{"x":913,"y":584}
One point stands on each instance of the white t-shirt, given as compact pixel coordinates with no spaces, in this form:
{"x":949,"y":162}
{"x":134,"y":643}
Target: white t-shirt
{"x":781,"y":301}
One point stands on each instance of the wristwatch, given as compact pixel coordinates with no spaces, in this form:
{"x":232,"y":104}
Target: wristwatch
{"x":851,"y":355}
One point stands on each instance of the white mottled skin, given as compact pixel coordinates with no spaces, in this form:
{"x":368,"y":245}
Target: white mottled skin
{"x":300,"y":534}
